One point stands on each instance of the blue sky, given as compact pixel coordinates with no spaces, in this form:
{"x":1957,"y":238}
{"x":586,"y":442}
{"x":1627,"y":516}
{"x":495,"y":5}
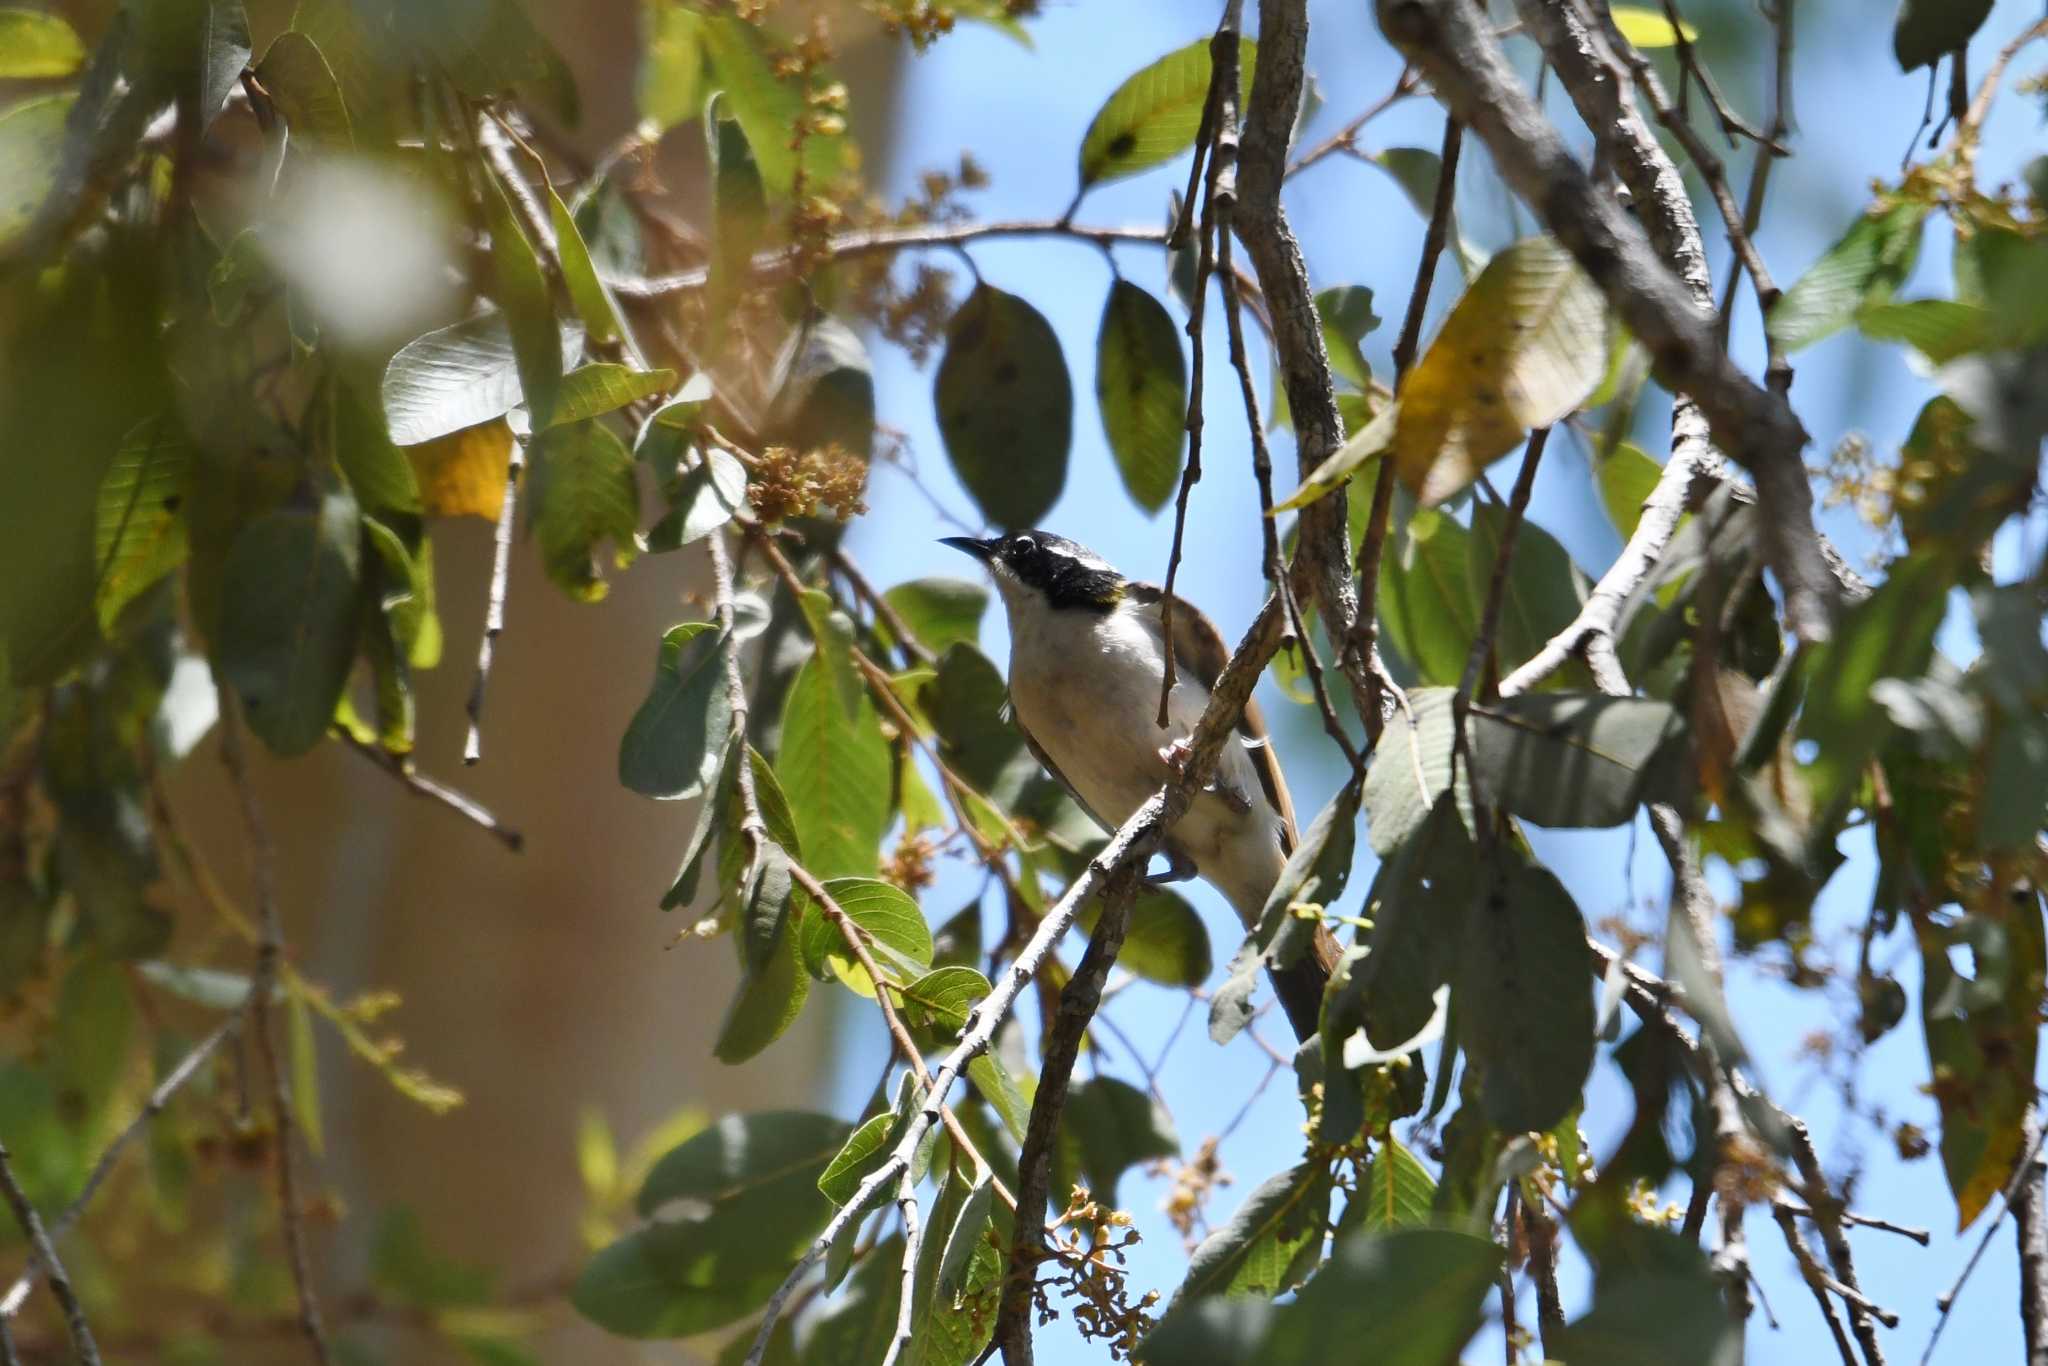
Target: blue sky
{"x":1023,"y":112}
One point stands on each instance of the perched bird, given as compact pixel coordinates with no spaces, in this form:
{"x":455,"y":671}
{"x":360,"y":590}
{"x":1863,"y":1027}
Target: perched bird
{"x":1087,"y":657}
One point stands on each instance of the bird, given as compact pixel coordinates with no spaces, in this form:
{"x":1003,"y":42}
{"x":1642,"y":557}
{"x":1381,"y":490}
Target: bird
{"x":1088,"y":651}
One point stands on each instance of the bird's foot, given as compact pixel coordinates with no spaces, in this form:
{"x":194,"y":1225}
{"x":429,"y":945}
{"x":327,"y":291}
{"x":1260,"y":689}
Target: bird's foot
{"x":1179,"y":868}
{"x":1175,"y":754}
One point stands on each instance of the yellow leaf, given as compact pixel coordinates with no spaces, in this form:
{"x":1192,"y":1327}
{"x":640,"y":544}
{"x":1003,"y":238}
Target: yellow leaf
{"x":1650,"y":28}
{"x":1523,"y":348}
{"x":463,"y":474}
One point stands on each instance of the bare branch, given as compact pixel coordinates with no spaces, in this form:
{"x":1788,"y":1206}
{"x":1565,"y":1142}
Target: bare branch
{"x":1078,"y":1004}
{"x":913,"y":1243}
{"x":46,"y":1254}
{"x":494,"y":604}
{"x":1539,"y":1232}
{"x":420,"y":785}
{"x":2025,"y":1172}
{"x":2030,"y":1227}
{"x":1455,"y":47}
{"x":269,"y":953}
{"x":1817,"y":1280}
{"x":1345,"y":139}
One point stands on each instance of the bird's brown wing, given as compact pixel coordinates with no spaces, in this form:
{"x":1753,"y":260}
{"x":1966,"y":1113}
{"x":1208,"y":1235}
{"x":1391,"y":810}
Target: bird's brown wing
{"x":1199,"y":651}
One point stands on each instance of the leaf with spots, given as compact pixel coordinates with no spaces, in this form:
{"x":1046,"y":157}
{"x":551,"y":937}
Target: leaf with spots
{"x":1006,"y":406}
{"x":1141,"y":387}
{"x":138,"y":532}
{"x":1524,"y":347}
{"x":1156,"y":113}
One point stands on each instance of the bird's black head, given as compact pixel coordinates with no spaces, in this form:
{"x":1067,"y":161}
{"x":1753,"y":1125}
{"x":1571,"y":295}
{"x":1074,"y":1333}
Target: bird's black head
{"x":1068,"y":573}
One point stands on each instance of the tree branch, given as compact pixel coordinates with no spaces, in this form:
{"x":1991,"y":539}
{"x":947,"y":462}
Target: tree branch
{"x":494,"y":603}
{"x":420,"y":785}
{"x":1133,"y":843}
{"x":2030,"y":1228}
{"x":46,"y":1254}
{"x":2025,"y":1171}
{"x":1078,"y":1004}
{"x":1454,"y":46}
{"x":1817,"y":1281}
{"x":269,"y":953}
{"x":1322,"y":535}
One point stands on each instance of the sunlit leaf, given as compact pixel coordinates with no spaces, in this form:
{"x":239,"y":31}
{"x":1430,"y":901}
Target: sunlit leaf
{"x":602,"y":387}
{"x":1863,"y":269}
{"x":1141,"y":388}
{"x":1259,"y":1250}
{"x":1426,"y":604}
{"x":1645,"y":27}
{"x":836,"y":772}
{"x":1154,"y":115}
{"x":939,"y":611}
{"x":464,"y":473}
{"x":768,"y":106}
{"x":31,"y":151}
{"x":33,"y":45}
{"x":670,"y":85}
{"x":138,"y":533}
{"x":1524,"y":347}
{"x":892,"y":929}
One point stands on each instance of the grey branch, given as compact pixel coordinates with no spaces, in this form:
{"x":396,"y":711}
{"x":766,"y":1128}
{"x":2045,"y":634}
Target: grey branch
{"x":1132,"y":844}
{"x":494,"y":604}
{"x":1297,"y":331}
{"x":1452,"y":43}
{"x":60,"y":1282}
{"x":420,"y":785}
{"x":1817,"y":1281}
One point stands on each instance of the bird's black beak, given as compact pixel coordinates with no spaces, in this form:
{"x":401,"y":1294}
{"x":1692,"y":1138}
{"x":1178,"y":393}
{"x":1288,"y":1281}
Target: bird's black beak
{"x":980,"y":550}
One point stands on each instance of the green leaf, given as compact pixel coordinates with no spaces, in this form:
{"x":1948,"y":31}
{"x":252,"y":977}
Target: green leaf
{"x":769,"y":106}
{"x":1411,"y":769}
{"x":1315,"y":871}
{"x":1939,"y":329}
{"x":1418,"y":904}
{"x":1863,"y":269}
{"x":579,"y":274}
{"x":1927,"y":29}
{"x":1116,"y":1126}
{"x":1416,"y":170}
{"x":836,"y":772}
{"x":766,"y":1005}
{"x":306,"y":92}
{"x":865,"y":1150}
{"x":1259,"y":1252}
{"x":378,"y":472}
{"x":1524,"y":347}
{"x":1166,"y":941}
{"x":451,"y":379}
{"x":192,"y":48}
{"x":891,"y":924}
{"x":1414,"y":1295}
{"x":1662,"y":1304}
{"x":583,"y":493}
{"x":138,"y":533}
{"x":602,"y":387}
{"x":705,"y":499}
{"x":1426,"y":604}
{"x":305,"y":1073}
{"x":775,"y":814}
{"x":1142,"y":390}
{"x":89,"y":1041}
{"x":1525,"y":959}
{"x":289,"y":610}
{"x":406,"y":1267}
{"x":965,"y":701}
{"x":833,"y":634}
{"x":824,"y":386}
{"x":941,"y":998}
{"x":522,"y":292}
{"x":670,"y":86}
{"x":1543,"y":590}
{"x":31,"y":154}
{"x":1576,"y":760}
{"x":1005,"y":407}
{"x":35,"y":45}
{"x":855,"y":1329}
{"x":1645,"y":27}
{"x":404,"y":583}
{"x":1395,"y":1192}
{"x":711,"y":815}
{"x":757,"y":1174}
{"x":1889,"y":634}
{"x":1347,"y":317}
{"x":938,"y":611}
{"x":674,"y":742}
{"x":1983,"y":1036}
{"x":1156,"y":113}
{"x":1626,"y":477}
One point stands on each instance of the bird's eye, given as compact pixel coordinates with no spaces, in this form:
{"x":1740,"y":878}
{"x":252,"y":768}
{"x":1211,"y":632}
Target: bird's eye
{"x":1022,"y":546}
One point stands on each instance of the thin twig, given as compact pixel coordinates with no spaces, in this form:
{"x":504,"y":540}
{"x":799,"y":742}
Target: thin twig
{"x":1540,"y":1233}
{"x":2030,"y":1229}
{"x":1496,"y":588}
{"x":11,"y":1303}
{"x":906,"y":639}
{"x":2023,"y":1171}
{"x":1406,"y":348}
{"x":269,"y":953}
{"x":420,"y":785}
{"x":494,"y":604}
{"x":60,"y":1281}
{"x":1345,"y":139}
{"x":913,"y":1243}
{"x":1918,"y":1235}
{"x":1079,"y":1001}
{"x":1817,"y":1281}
